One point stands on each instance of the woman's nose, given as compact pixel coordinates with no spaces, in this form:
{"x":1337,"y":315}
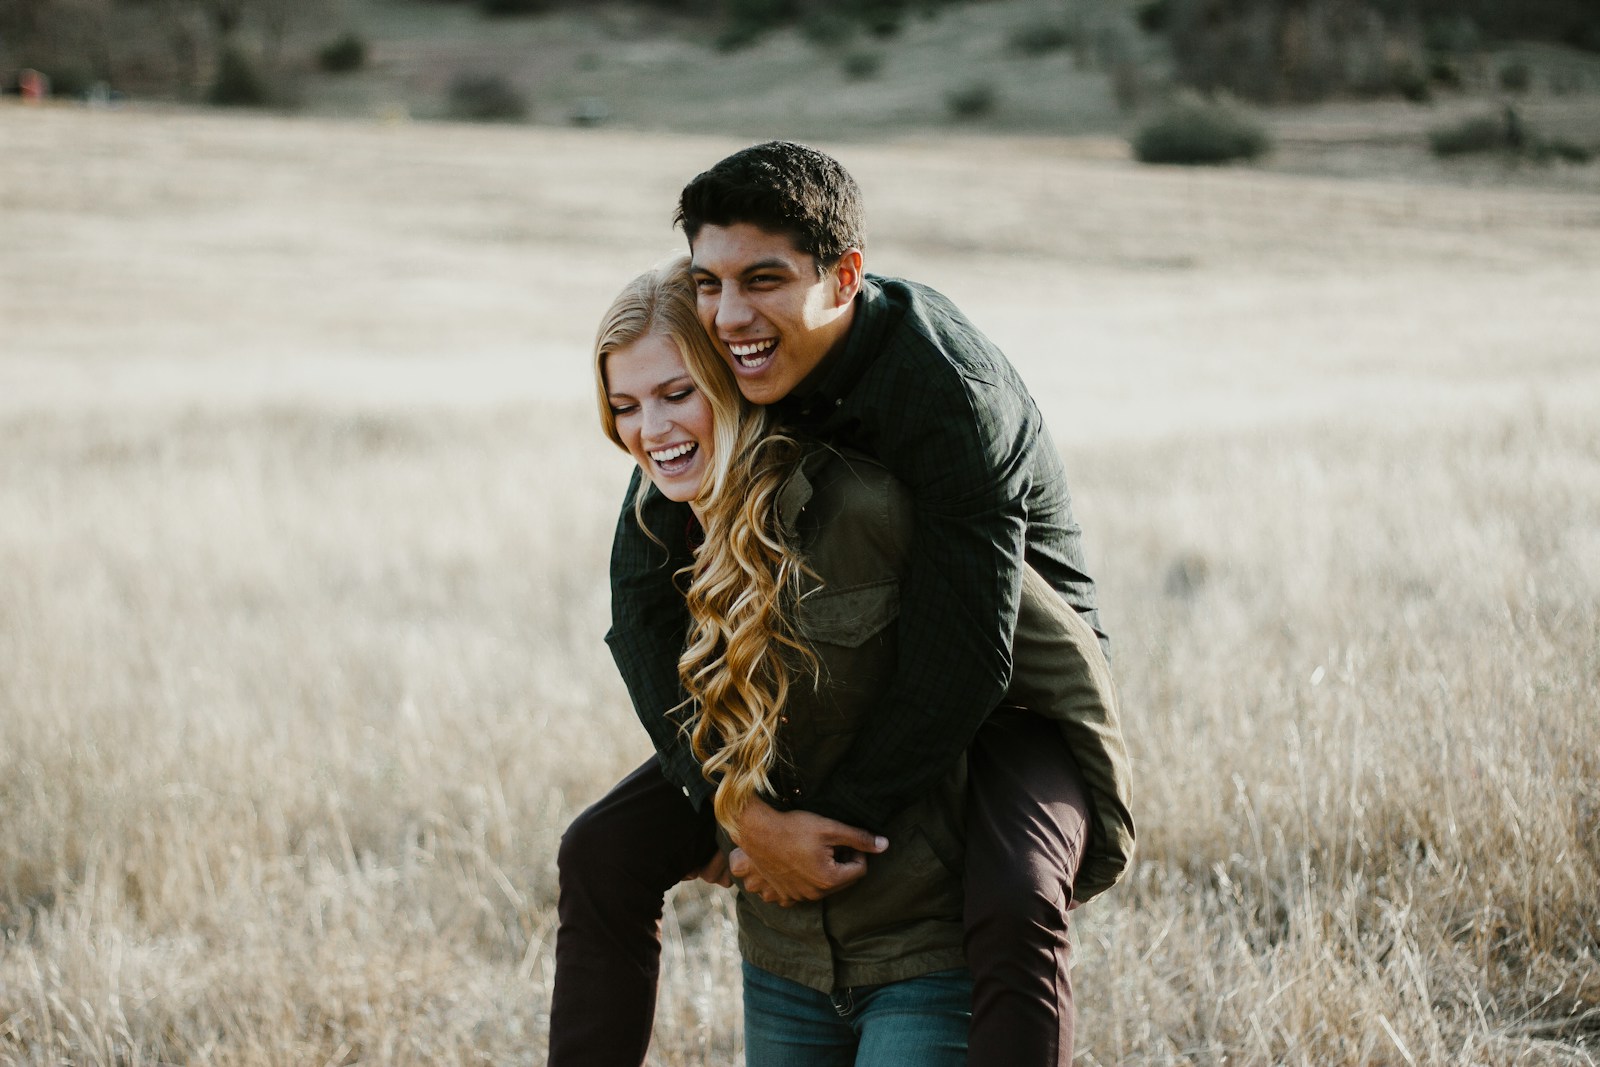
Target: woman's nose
{"x":657,"y":422}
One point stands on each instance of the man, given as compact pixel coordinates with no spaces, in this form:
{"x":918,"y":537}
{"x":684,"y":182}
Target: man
{"x":893,"y":369}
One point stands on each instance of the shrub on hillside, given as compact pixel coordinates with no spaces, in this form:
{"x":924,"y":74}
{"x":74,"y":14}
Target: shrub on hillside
{"x":827,"y":29}
{"x":1516,"y":77}
{"x":973,"y":101}
{"x":238,"y":83}
{"x":1562,"y":149}
{"x":343,"y":54}
{"x":1195,"y":132}
{"x":1041,"y":37}
{"x":486,"y":98}
{"x":512,"y":8}
{"x":748,"y":21}
{"x":862,"y":64}
{"x":1411,"y":82}
{"x":1475,"y":134}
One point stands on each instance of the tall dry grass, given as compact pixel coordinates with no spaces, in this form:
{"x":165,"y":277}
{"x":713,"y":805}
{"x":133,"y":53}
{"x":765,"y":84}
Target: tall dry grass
{"x":303,"y":530}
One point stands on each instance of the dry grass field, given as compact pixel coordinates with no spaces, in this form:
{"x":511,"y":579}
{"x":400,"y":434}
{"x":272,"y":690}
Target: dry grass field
{"x":303,"y":529}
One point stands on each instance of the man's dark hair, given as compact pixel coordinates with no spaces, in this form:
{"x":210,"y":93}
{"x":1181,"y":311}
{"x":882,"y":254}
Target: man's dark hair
{"x":782,"y":187}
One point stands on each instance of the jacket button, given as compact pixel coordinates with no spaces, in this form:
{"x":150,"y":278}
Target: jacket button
{"x":685,"y":790}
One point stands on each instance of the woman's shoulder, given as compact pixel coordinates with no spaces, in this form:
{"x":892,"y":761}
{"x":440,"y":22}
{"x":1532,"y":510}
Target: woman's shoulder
{"x":843,"y":503}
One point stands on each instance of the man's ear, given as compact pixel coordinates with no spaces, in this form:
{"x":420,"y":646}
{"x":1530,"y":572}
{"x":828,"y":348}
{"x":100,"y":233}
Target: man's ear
{"x":847,"y":276}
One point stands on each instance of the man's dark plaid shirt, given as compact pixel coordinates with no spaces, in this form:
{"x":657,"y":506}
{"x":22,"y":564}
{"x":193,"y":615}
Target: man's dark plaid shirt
{"x":917,"y":386}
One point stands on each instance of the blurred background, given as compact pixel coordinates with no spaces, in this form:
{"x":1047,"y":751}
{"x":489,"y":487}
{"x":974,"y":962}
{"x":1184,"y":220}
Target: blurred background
{"x":1334,"y":85}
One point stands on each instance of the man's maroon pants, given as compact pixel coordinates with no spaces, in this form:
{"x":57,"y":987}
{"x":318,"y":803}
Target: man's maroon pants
{"x":1027,"y":823}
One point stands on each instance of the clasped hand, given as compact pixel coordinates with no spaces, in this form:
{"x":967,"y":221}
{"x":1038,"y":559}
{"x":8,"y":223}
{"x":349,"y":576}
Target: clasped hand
{"x":786,"y":857}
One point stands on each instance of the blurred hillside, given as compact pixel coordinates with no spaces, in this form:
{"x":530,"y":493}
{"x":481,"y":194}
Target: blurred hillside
{"x":1349,"y":87}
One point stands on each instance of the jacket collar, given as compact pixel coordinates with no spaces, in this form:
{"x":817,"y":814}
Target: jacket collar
{"x":798,"y":489}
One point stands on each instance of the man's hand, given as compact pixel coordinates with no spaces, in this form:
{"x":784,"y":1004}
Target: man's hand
{"x":785,"y":857}
{"x":716,"y":871}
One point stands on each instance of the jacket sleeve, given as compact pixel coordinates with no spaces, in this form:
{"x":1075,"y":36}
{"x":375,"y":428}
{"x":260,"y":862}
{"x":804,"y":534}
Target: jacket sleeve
{"x":649,"y":624}
{"x":963,"y":451}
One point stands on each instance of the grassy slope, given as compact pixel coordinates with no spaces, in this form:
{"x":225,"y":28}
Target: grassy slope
{"x":303,"y":557}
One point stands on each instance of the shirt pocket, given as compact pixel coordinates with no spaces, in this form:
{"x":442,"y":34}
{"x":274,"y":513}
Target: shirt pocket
{"x":850,"y":617}
{"x":853,"y":634}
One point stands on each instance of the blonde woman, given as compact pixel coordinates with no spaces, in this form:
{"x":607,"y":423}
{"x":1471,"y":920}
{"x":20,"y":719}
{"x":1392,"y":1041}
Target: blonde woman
{"x":792,"y":597}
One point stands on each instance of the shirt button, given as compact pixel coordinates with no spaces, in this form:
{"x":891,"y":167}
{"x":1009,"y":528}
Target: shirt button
{"x":836,"y":403}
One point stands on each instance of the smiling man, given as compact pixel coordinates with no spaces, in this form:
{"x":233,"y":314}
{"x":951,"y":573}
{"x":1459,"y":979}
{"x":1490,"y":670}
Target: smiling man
{"x":894,"y":369}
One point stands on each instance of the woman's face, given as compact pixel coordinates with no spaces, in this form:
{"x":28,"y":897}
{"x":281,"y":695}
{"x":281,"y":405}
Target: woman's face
{"x":663,"y":419}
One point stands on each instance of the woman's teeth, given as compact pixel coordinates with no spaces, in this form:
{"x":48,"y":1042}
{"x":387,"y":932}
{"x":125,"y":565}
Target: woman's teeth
{"x":667,"y":455}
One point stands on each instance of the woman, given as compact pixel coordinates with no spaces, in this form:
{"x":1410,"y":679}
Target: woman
{"x":792,"y":596}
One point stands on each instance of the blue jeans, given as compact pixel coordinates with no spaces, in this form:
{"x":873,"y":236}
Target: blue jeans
{"x":920,"y":1021}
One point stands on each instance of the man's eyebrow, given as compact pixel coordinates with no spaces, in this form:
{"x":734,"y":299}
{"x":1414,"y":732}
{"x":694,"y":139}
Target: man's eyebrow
{"x":749,"y":268}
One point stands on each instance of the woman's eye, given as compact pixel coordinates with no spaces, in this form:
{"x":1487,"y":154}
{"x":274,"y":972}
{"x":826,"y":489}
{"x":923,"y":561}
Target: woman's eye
{"x":618,"y":410}
{"x":681,"y":394}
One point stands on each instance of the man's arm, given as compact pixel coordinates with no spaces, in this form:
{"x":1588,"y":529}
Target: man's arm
{"x":968,"y":448}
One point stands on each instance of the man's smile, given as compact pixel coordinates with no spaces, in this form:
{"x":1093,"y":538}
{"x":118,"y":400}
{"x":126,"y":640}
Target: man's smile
{"x":752,"y":354}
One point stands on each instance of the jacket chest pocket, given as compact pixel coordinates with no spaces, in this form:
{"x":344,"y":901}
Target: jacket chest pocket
{"x":849,"y":618}
{"x":853,"y":633}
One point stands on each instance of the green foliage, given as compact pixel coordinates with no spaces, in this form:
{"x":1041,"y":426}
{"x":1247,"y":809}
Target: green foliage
{"x":486,"y":98}
{"x":972,"y":101}
{"x":1154,"y":15}
{"x":1444,"y":72}
{"x":862,"y":64}
{"x":238,"y":83}
{"x":1452,"y":35}
{"x":1411,"y":82}
{"x":343,"y":54}
{"x":513,"y":8}
{"x":68,"y":78}
{"x":828,"y":29}
{"x":747,"y":21}
{"x":1475,"y":134}
{"x":1195,"y":132}
{"x":1041,"y":37}
{"x":1562,"y":149}
{"x":1506,"y":134}
{"x":1516,"y":77}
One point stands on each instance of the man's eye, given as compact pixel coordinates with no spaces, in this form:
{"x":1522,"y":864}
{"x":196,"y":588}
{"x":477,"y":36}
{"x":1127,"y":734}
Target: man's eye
{"x":706,"y":285}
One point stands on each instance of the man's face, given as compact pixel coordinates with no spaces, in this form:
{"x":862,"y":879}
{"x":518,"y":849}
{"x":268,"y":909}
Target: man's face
{"x":772,"y":316}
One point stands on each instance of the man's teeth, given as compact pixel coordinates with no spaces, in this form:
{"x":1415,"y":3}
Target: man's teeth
{"x":667,"y":455}
{"x":752,"y":353}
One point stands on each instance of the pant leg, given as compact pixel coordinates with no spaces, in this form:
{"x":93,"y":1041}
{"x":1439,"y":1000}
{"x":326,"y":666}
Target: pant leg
{"x":617,"y":861}
{"x":922,"y":1021}
{"x":787,"y":1024}
{"x":1027,"y":824}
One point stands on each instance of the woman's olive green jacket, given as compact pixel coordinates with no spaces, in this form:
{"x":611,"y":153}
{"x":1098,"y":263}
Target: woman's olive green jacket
{"x":852,"y":522}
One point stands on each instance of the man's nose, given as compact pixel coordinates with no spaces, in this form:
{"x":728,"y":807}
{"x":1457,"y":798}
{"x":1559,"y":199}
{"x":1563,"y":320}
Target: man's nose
{"x":733,"y":310}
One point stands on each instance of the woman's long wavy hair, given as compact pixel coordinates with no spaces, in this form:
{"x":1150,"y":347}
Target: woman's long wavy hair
{"x":744,"y":652}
